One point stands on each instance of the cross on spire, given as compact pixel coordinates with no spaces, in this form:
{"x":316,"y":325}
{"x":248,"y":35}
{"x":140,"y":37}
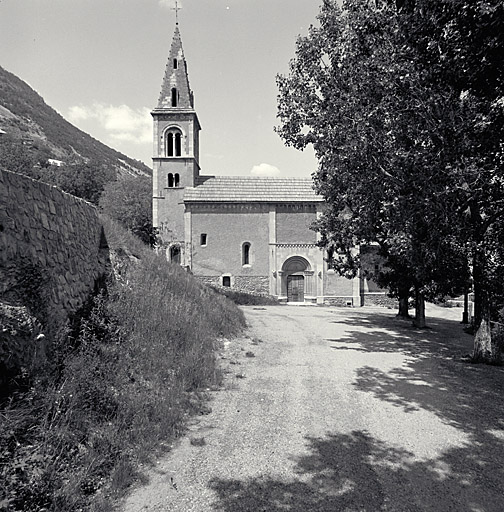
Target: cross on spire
{"x":176,"y":9}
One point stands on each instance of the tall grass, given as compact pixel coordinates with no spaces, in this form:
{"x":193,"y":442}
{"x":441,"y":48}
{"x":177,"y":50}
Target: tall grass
{"x":136,"y":365}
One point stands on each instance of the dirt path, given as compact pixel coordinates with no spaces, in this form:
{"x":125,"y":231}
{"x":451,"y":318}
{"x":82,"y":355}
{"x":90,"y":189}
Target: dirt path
{"x":341,"y":410}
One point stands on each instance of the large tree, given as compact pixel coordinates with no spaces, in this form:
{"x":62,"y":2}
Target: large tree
{"x":460,"y":45}
{"x":396,"y":133}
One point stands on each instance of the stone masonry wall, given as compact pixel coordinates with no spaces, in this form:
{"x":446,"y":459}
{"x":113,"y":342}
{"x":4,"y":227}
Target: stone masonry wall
{"x":379,"y":299}
{"x":258,"y":285}
{"x":53,"y":249}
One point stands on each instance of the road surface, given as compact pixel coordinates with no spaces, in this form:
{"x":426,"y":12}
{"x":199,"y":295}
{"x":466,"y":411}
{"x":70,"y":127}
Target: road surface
{"x":334,"y":409}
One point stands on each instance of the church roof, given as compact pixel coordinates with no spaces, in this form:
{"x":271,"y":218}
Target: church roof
{"x":239,"y":189}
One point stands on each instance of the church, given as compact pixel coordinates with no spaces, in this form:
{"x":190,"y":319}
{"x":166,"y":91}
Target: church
{"x":251,"y":234}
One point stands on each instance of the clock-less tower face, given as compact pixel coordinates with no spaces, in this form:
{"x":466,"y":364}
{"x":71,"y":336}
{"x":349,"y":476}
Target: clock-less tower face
{"x":176,"y":146}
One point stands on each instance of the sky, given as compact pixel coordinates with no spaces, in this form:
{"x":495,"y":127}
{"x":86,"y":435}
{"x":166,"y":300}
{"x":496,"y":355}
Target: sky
{"x":100,"y":64}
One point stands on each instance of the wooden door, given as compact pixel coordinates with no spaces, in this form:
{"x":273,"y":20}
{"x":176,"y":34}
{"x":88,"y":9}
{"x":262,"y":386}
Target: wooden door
{"x":295,"y":288}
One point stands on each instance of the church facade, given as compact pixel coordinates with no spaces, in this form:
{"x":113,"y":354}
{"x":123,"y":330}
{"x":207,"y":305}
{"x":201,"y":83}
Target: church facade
{"x":248,"y":233}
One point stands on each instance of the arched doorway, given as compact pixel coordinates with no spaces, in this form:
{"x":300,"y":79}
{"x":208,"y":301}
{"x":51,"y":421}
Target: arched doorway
{"x":175,"y":254}
{"x":295,"y":272}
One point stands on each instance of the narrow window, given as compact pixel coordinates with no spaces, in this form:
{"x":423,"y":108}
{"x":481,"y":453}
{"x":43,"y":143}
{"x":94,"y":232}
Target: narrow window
{"x":226,"y":281}
{"x":170,"y":180}
{"x":203,"y":239}
{"x":174,"y":97}
{"x":246,"y":253}
{"x":169,"y":142}
{"x":177,"y":179}
{"x":178,"y":144}
{"x":175,"y":63}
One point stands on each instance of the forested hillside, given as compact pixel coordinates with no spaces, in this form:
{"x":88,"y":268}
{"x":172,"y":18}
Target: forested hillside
{"x":45,"y":134}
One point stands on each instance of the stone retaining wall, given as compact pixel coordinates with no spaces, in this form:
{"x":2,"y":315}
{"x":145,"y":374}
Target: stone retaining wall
{"x":53,"y":249}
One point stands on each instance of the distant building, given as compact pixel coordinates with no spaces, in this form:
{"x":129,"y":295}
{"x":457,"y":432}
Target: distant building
{"x":57,"y":163}
{"x":248,"y":233}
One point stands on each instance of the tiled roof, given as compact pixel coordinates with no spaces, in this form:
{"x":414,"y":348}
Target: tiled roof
{"x":237,"y":189}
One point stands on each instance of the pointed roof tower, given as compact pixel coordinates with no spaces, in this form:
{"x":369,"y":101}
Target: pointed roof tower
{"x":175,"y":90}
{"x":175,"y":162}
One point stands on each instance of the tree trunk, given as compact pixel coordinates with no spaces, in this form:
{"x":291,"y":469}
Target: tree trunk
{"x":485,"y":350}
{"x":419,"y":321}
{"x":479,"y":263}
{"x":480,"y":299}
{"x":403,"y":303}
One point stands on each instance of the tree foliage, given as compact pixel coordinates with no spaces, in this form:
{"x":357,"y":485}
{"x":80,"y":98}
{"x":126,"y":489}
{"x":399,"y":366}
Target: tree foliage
{"x":85,"y":180}
{"x":16,"y":157}
{"x":129,"y":201}
{"x":403,"y":104}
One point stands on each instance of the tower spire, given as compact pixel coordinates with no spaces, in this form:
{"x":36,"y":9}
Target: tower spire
{"x":175,"y":90}
{"x":176,"y":148}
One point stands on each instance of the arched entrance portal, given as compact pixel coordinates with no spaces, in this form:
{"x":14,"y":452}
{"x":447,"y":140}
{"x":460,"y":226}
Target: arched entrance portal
{"x":175,"y":254}
{"x":296,"y":278}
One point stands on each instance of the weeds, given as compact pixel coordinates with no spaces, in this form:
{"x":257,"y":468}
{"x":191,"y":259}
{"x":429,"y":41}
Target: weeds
{"x":135,"y":366}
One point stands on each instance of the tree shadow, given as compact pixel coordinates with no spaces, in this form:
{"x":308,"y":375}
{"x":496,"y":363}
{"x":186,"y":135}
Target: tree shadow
{"x":356,"y":472}
{"x":443,"y":338}
{"x":432,"y":376}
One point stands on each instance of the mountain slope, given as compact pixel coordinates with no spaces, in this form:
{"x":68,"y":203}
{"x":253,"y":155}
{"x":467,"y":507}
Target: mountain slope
{"x":25,"y":117}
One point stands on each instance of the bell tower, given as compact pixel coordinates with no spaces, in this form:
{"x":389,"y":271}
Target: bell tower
{"x":176,"y":150}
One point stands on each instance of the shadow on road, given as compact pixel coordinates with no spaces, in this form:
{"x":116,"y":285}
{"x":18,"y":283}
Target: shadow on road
{"x":388,"y":334}
{"x":357,"y":472}
{"x":432,"y":377}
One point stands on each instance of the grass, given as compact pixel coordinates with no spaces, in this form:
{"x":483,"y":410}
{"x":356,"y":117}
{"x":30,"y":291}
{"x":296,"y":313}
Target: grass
{"x":130,"y":373}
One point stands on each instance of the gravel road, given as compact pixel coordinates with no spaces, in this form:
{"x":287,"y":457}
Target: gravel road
{"x":334,"y":409}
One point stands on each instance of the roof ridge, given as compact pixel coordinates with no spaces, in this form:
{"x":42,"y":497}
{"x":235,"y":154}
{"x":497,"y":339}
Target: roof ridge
{"x":281,"y":178}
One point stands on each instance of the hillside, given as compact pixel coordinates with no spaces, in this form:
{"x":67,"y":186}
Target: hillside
{"x":27,"y":119}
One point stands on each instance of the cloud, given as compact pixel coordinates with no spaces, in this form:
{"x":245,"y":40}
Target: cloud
{"x":77,"y":113}
{"x":122,"y":123}
{"x":265,"y":170}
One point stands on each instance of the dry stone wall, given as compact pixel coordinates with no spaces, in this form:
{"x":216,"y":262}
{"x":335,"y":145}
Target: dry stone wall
{"x":53,"y":248}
